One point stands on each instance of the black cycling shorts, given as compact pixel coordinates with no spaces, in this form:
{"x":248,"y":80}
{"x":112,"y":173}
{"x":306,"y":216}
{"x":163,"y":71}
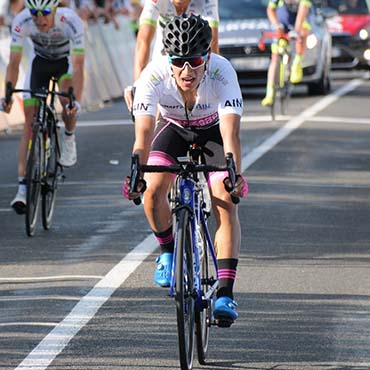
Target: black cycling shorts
{"x":172,"y":141}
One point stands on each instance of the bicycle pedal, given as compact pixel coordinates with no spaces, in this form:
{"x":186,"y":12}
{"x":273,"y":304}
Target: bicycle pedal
{"x":224,"y":322}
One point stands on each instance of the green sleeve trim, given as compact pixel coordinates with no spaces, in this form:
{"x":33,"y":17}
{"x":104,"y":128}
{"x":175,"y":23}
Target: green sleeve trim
{"x":307,"y":3}
{"x":149,"y":21}
{"x":272,"y":5}
{"x":31,"y":102}
{"x":16,"y":48}
{"x":213,"y":24}
{"x":64,"y":77}
{"x":78,"y":51}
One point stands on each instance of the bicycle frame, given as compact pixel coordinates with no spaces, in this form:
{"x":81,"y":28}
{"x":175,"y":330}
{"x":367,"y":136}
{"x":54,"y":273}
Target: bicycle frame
{"x":189,"y":196}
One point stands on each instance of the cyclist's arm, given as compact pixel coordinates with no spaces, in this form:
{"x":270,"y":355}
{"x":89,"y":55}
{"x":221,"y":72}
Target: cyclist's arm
{"x":12,"y":70}
{"x":230,"y":132}
{"x":214,"y":43}
{"x":142,"y":50}
{"x":302,"y":14}
{"x":271,"y":14}
{"x":78,"y":61}
{"x":144,"y":130}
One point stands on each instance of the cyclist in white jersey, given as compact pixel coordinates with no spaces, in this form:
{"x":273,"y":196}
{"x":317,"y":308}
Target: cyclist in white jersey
{"x":154,"y":16}
{"x":57,"y":35}
{"x":199,"y":99}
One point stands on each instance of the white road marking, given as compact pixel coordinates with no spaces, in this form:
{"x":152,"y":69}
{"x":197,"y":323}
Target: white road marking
{"x":54,"y":343}
{"x":347,"y":120}
{"x":49,"y":278}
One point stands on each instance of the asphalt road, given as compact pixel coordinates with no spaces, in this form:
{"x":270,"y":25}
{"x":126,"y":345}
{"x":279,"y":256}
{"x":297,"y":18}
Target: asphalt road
{"x":81,"y":296}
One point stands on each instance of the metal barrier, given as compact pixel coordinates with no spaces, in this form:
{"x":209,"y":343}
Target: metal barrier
{"x":108,"y":67}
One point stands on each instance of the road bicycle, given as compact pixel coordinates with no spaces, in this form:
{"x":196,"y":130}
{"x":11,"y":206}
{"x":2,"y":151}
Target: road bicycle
{"x":43,"y":170}
{"x":282,"y":85}
{"x":194,"y":276}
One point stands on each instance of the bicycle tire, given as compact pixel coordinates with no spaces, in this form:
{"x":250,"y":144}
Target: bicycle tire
{"x":203,"y":314}
{"x":184,"y":291}
{"x":34,"y":168}
{"x":50,"y":183}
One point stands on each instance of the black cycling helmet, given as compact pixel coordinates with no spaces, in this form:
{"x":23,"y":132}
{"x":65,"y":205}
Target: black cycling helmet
{"x":187,"y":35}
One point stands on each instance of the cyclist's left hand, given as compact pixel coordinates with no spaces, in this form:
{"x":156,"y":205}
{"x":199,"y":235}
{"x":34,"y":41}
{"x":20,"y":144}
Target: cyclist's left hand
{"x":75,"y":110}
{"x":240,"y":188}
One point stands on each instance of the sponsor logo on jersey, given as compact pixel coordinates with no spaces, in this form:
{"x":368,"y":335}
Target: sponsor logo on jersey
{"x":178,"y":106}
{"x":141,"y":107}
{"x":203,"y":106}
{"x":155,"y":80}
{"x":235,"y":103}
{"x":217,"y":76}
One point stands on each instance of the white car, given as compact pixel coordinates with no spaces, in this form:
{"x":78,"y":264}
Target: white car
{"x":241,"y":25}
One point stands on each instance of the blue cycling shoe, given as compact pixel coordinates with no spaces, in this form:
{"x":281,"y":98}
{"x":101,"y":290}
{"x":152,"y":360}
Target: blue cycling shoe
{"x":225,"y":311}
{"x":162,"y":273}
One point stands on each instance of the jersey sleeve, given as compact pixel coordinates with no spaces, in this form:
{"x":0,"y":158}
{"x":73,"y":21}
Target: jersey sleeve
{"x":150,"y":12}
{"x":78,"y":35}
{"x":19,"y":30}
{"x":273,"y":4}
{"x":147,"y":93}
{"x":211,"y":14}
{"x":228,"y":90}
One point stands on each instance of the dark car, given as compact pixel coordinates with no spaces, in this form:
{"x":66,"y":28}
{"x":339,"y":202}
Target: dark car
{"x":350,"y":31}
{"x":241,"y":25}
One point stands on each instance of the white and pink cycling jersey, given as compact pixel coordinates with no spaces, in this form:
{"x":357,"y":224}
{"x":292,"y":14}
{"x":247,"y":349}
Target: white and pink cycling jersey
{"x":66,"y":37}
{"x":218,"y":94}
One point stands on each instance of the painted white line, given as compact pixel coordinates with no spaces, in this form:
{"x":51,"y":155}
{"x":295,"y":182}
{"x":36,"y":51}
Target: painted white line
{"x":117,"y":122}
{"x":357,"y":121}
{"x":52,"y":324}
{"x":48,"y":278}
{"x":42,"y":356}
{"x":295,"y":122}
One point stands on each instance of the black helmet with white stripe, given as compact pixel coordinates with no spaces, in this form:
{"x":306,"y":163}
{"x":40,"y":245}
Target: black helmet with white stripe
{"x":41,"y":4}
{"x":187,"y":35}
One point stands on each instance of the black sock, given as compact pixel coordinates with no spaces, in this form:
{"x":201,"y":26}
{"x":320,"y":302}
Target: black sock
{"x":165,"y":240}
{"x":226,"y":275}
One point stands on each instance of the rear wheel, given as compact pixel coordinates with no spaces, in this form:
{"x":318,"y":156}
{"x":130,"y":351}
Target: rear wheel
{"x":50,"y":185}
{"x":185,"y":300}
{"x":34,"y":169}
{"x":203,"y":316}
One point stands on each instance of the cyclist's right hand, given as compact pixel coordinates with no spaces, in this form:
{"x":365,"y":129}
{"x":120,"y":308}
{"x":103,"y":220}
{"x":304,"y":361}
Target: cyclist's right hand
{"x":129,"y":97}
{"x":126,"y":188}
{"x":6,"y":107}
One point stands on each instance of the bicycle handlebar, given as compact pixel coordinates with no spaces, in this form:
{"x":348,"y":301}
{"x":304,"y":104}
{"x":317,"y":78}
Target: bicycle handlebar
{"x":41,"y":94}
{"x":275,"y":35}
{"x":184,"y":168}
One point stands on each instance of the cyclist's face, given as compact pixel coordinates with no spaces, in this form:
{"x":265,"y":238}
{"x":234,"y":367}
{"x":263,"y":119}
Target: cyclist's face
{"x":189,"y":72}
{"x":181,"y":4}
{"x":44,"y":22}
{"x":188,"y":79}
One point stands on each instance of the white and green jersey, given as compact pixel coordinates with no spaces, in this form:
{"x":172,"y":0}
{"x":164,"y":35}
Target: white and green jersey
{"x":65,"y":38}
{"x":160,"y":11}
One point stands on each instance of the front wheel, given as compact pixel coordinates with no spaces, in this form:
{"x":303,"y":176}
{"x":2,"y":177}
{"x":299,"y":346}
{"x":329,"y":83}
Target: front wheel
{"x":203,"y":317}
{"x":185,"y":292}
{"x":34,"y":168}
{"x":50,"y":185}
